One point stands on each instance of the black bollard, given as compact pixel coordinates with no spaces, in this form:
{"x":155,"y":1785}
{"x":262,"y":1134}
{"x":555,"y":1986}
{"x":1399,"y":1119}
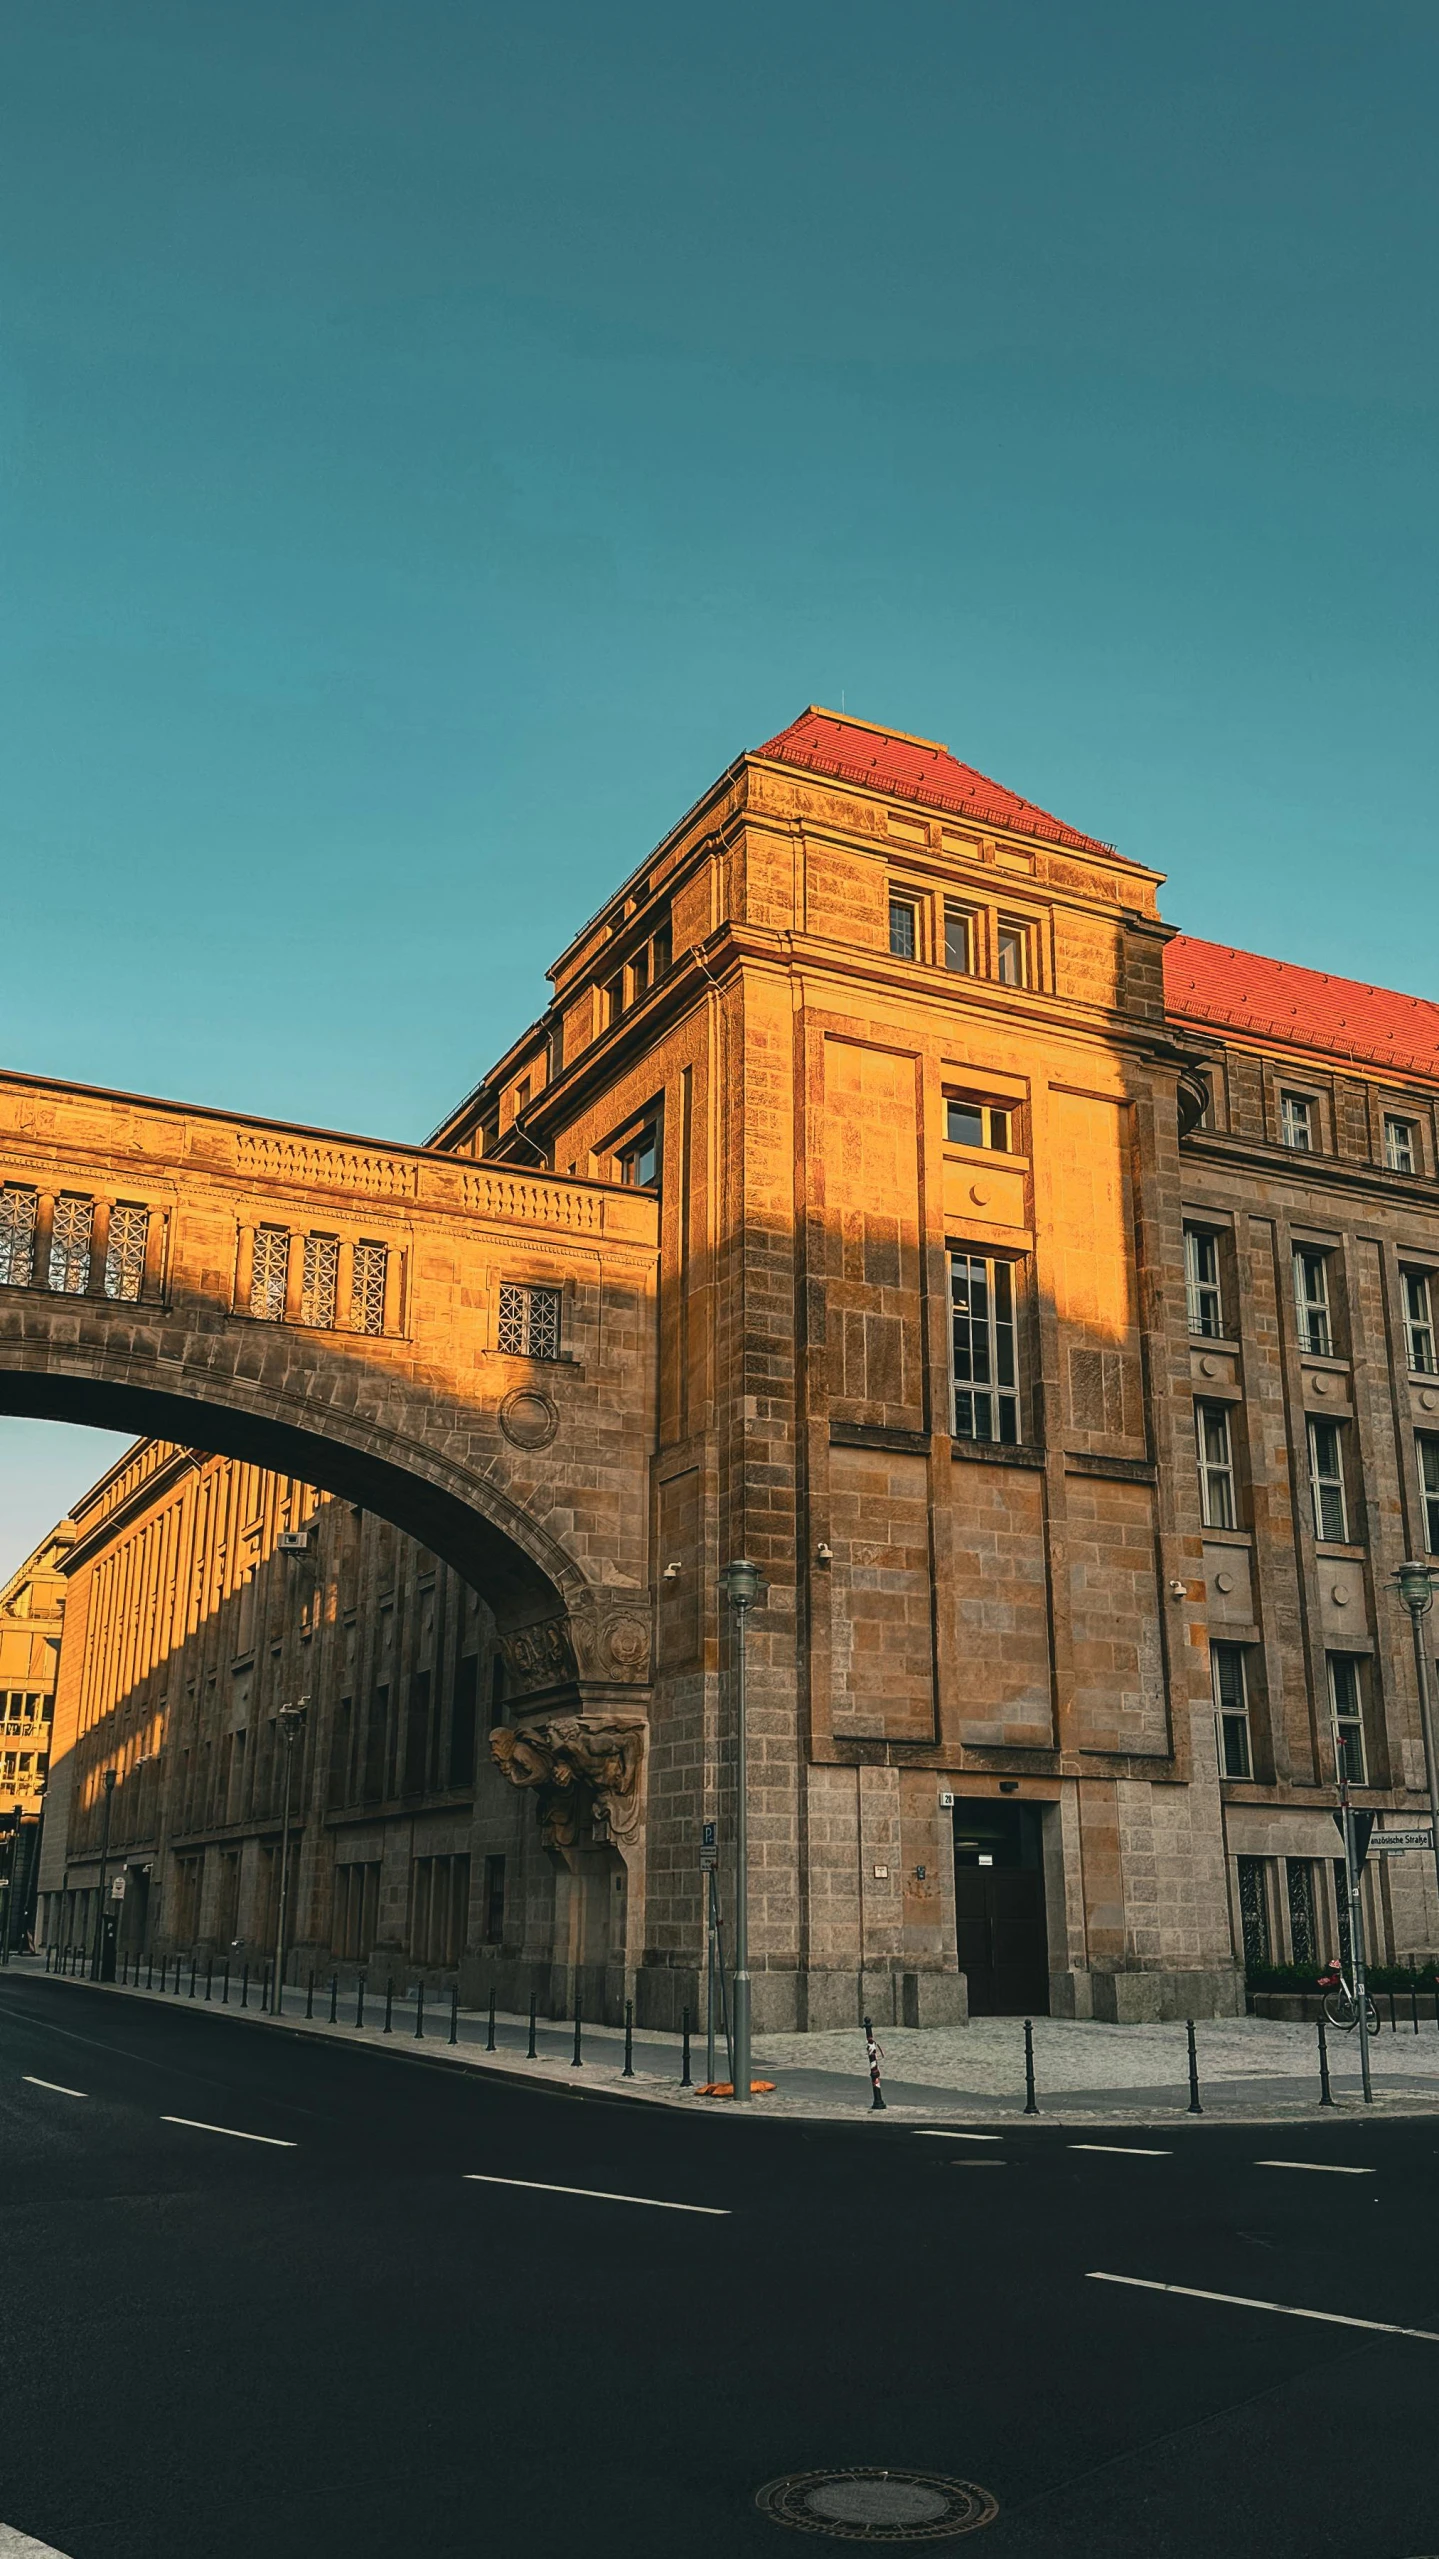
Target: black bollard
{"x":360,"y":2000}
{"x":1326,"y":2093}
{"x":278,"y":2002}
{"x":209,"y":1974}
{"x":1031,"y":2102}
{"x":577,"y":2062}
{"x":419,"y":2008}
{"x":876,"y":2104}
{"x":225,"y":1984}
{"x":389,"y":2005}
{"x":1414,"y":2006}
{"x":454,"y":2012}
{"x":629,"y":2069}
{"x":334,"y":1999}
{"x":1393,"y":2020}
{"x":1195,"y":2107}
{"x":534,"y":2003}
{"x":490,"y":2036}
{"x":245,"y":1986}
{"x":686,"y":2081}
{"x":194,"y":1973}
{"x":309,"y":1994}
{"x":150,"y":1971}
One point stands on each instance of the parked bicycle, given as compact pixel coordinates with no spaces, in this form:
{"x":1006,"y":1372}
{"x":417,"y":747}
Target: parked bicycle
{"x":1341,"y":2006}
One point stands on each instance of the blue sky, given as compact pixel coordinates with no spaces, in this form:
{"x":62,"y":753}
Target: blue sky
{"x":434,"y":439}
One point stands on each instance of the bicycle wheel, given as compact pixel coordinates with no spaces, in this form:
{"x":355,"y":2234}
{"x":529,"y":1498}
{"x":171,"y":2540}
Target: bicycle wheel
{"x":1342,"y":2009}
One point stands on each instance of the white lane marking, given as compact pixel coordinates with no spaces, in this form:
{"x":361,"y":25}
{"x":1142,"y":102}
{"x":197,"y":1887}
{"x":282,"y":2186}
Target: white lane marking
{"x":229,"y":2132}
{"x":1315,"y":2167}
{"x":53,"y":2084}
{"x":979,"y":2163}
{"x":1286,"y":2309}
{"x":18,"y":2545}
{"x":1123,"y":2149}
{"x":597,"y":2194}
{"x":923,"y":2132}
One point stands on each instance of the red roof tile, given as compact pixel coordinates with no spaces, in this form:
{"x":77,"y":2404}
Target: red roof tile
{"x":915,"y":768}
{"x":1305,"y":1008}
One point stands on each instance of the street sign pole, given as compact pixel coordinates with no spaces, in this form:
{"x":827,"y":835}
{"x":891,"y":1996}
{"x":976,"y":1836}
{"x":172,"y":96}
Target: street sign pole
{"x":1356,"y":1916}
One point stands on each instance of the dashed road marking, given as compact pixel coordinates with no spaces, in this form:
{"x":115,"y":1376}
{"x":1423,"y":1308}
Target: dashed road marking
{"x":231,"y":2134}
{"x":1315,"y":2167}
{"x":53,"y":2085}
{"x":598,"y":2195}
{"x":927,"y":2132}
{"x":1285,"y":2309}
{"x":1122,"y":2149}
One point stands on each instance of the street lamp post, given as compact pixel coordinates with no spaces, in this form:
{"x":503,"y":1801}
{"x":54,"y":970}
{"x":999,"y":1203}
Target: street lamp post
{"x":109,"y":1785}
{"x":1415,"y":1585}
{"x":292,"y":1724}
{"x":740,"y":1583}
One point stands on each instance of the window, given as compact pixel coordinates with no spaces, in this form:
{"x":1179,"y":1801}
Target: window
{"x":1201,"y":1282}
{"x":440,"y":1906}
{"x":1418,"y":1293}
{"x":1011,"y":952}
{"x":367,"y":1288}
{"x":1346,"y":1699}
{"x":1303,"y":1928}
{"x":1253,"y":1909}
{"x":640,"y":973}
{"x":1216,"y":1466}
{"x":639,"y":1161}
{"x":320,"y":1275}
{"x":903,"y":928}
{"x":959,"y":940}
{"x":125,"y":1250}
{"x":1326,"y":1482}
{"x":70,"y":1244}
{"x":357,"y":1909}
{"x":463,"y":1709}
{"x":1296,"y":1122}
{"x":18,"y":1208}
{"x":269,"y":1273}
{"x":986,"y":1379}
{"x":494,"y":1900}
{"x":1231,"y":1707}
{"x":416,"y":1764}
{"x":970,"y":1123}
{"x":522,"y":1095}
{"x":612,"y":1000}
{"x":1399,"y":1145}
{"x":529,"y":1321}
{"x":662,"y":951}
{"x":1311,"y":1300}
{"x":1428,"y":1446}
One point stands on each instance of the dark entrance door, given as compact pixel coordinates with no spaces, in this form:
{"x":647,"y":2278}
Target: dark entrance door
{"x":999,"y":1904}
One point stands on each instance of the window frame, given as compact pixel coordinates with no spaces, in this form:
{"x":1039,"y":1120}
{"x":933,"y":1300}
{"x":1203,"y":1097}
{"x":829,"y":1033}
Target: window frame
{"x":1426,"y":1451}
{"x":1291,"y":1103}
{"x":903,"y":901}
{"x":630,"y":1151}
{"x":1215,"y":1470}
{"x":1347,"y":1725}
{"x":1231,"y":1719}
{"x":1393,"y":1125}
{"x":534,"y":1329}
{"x":1419,"y":1325}
{"x":966,"y":919}
{"x":987,"y":1114}
{"x":1197,"y":1285}
{"x":1314,"y":1314}
{"x":1017,"y":930}
{"x":999,"y":1333}
{"x":1326,"y":1484}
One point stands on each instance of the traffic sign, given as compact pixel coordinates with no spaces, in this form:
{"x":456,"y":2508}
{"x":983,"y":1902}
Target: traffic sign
{"x":1395,"y":1843}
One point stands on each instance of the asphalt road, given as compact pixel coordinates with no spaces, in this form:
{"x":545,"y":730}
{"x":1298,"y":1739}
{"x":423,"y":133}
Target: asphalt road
{"x":377,"y":2327}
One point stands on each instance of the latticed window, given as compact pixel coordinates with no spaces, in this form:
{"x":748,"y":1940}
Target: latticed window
{"x":529,"y":1321}
{"x":125,"y":1250}
{"x":1254,"y":1910}
{"x":17,"y":1234}
{"x":271,"y":1270}
{"x":70,"y":1244}
{"x":319,"y":1280}
{"x":986,"y":1375}
{"x":1303,"y":1928}
{"x":367,"y":1288}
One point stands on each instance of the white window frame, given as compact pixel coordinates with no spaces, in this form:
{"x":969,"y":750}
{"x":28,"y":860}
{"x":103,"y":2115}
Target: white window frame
{"x":1311,"y":1300}
{"x":1417,"y":1291}
{"x":1426,"y":1450}
{"x":1201,"y":1285}
{"x":1231,"y":1719}
{"x":985,"y":1356}
{"x":1214,"y":1449}
{"x":962,"y":921}
{"x":1399,"y":1136}
{"x":1326,"y":1484}
{"x":996,"y":1121}
{"x":1347,"y":1719}
{"x":1296,"y":1114}
{"x":1013,"y":930}
{"x":906,"y":902}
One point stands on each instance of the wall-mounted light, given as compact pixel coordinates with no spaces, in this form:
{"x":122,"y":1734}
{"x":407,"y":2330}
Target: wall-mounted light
{"x":823,"y":1554}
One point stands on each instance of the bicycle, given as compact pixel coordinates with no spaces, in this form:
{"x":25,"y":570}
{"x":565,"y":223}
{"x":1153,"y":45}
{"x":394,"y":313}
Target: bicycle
{"x":1341,"y":2007}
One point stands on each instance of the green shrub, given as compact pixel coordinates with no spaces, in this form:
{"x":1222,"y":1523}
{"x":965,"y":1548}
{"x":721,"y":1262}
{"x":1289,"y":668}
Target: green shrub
{"x":1306,"y":1977}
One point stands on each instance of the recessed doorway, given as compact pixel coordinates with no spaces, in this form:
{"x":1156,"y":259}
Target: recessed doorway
{"x":999,"y":1907}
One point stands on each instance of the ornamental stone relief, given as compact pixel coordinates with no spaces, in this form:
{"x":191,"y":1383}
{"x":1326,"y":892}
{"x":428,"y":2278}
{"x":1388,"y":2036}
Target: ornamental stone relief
{"x":580,"y":1766}
{"x":602,"y":1638}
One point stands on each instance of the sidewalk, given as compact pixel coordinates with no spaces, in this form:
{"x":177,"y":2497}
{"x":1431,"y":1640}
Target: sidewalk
{"x":1251,"y":2069}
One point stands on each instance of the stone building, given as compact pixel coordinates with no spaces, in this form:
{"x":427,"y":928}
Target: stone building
{"x":980,"y":1194}
{"x":32,"y":1605}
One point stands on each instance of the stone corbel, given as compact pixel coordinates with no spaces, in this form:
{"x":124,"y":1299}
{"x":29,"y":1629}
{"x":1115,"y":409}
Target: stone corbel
{"x":605,"y":1637}
{"x":577,"y":1762}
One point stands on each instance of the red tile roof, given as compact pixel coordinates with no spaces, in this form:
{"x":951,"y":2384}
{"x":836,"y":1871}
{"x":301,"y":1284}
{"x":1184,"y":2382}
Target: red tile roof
{"x":1305,"y":1008}
{"x":915,"y":768}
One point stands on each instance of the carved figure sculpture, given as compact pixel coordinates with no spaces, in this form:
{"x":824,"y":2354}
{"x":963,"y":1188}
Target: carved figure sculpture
{"x":571,"y":1758}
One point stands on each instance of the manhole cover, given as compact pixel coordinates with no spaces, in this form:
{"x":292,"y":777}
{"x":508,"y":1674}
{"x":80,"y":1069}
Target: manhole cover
{"x":878,"y":2505}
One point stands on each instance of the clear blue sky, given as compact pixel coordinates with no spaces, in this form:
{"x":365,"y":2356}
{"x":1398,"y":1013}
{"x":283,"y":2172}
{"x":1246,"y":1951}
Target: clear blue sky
{"x":435,"y":438}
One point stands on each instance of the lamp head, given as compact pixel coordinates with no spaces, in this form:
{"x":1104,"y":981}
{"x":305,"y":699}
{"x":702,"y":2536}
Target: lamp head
{"x":740,"y":1583}
{"x":1415,"y":1585}
{"x":109,"y":1781}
